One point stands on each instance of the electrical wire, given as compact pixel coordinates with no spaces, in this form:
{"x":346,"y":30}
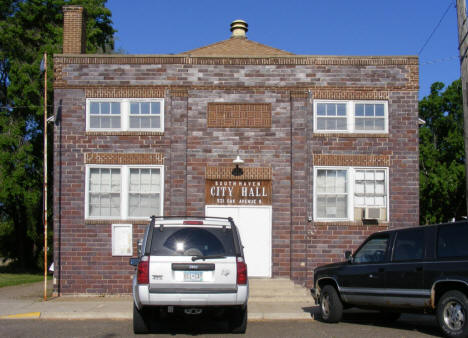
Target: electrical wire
{"x":435,"y":61}
{"x":436,"y":26}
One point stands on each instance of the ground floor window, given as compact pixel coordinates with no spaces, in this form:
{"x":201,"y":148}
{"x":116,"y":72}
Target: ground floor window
{"x":123,"y":192}
{"x":350,"y":193}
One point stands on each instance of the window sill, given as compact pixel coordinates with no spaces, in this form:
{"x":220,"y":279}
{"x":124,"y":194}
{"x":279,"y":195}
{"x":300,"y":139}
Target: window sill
{"x":100,"y":221}
{"x":383,"y":224}
{"x":124,"y":133}
{"x":351,"y":135}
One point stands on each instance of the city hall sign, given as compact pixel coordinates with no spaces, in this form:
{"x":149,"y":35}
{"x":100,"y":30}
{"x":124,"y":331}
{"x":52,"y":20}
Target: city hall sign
{"x":227,"y":192}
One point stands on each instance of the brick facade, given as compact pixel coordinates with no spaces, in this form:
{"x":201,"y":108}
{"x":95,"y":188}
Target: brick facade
{"x":284,"y":150}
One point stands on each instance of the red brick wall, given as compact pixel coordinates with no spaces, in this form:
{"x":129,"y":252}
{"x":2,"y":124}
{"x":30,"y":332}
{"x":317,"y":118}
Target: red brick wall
{"x":83,"y":248}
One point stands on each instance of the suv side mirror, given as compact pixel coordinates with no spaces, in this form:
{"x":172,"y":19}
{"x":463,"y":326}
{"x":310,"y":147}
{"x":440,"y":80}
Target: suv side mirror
{"x":139,"y":245}
{"x":134,"y":261}
{"x":348,"y":256}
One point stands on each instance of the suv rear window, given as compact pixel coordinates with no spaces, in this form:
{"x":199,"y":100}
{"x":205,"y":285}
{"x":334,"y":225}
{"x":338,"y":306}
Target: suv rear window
{"x":451,"y":241}
{"x":192,"y":241}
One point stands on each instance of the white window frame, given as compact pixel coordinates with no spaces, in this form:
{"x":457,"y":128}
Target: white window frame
{"x":350,"y":116}
{"x":124,"y":190}
{"x":116,"y":228}
{"x":351,"y":174}
{"x":124,"y":114}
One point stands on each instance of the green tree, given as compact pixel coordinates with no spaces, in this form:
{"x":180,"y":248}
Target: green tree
{"x":442,"y":155}
{"x":28,"y":28}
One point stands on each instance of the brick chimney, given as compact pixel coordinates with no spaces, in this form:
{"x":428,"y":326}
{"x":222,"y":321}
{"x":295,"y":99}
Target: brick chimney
{"x":74,"y":30}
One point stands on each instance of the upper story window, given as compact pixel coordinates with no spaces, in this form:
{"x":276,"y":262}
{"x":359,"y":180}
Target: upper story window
{"x":125,"y":115}
{"x":350,"y":116}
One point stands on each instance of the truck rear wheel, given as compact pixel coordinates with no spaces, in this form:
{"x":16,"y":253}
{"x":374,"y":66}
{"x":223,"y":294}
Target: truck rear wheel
{"x":330,"y":305}
{"x":452,"y":314}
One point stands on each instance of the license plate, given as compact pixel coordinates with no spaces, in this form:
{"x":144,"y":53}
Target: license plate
{"x":193,"y":276}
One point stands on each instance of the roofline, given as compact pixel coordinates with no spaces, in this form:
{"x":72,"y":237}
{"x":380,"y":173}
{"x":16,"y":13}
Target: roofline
{"x":371,"y":60}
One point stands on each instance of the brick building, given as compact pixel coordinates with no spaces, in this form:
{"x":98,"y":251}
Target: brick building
{"x":329,"y":144}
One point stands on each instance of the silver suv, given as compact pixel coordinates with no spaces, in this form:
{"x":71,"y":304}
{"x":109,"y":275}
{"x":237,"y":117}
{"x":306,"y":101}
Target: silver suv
{"x":190,"y":266}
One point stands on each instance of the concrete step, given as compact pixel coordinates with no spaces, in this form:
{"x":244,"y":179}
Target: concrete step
{"x":279,"y":290}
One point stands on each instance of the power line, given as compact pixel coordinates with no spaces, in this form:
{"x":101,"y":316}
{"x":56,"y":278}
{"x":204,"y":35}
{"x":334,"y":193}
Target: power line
{"x":436,"y":27}
{"x":446,"y":59}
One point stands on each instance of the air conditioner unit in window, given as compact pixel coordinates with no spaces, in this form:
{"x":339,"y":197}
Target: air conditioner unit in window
{"x":371,"y":213}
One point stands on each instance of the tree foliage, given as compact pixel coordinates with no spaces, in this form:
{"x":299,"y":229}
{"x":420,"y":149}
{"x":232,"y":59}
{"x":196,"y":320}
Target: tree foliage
{"x":28,"y":28}
{"x":442,"y":155}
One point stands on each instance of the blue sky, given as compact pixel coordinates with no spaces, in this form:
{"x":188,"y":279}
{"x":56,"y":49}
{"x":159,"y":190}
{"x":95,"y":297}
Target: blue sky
{"x":307,"y":27}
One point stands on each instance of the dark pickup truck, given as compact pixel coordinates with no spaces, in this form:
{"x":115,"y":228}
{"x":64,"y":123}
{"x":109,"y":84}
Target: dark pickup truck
{"x":418,"y":269}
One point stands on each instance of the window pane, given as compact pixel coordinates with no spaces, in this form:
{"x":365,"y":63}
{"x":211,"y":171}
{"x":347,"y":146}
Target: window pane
{"x":115,"y":122}
{"x":341,"y":109}
{"x":155,"y":107}
{"x":134,"y":108}
{"x":105,"y":122}
{"x":115,"y":106}
{"x":155,"y":122}
{"x":409,"y":245}
{"x":94,"y":108}
{"x":451,"y":241}
{"x":321,"y":207}
{"x":379,"y":124}
{"x":341,"y":124}
{"x":369,"y":109}
{"x":94,"y":122}
{"x":321,"y":109}
{"x":359,"y":110}
{"x":359,"y":124}
{"x":321,"y":177}
{"x":373,"y":251}
{"x":379,"y":110}
{"x":145,"y":122}
{"x":145,"y":107}
{"x":105,"y":108}
{"x":321,"y":124}
{"x":331,"y":109}
{"x":134,"y":122}
{"x":340,"y":181}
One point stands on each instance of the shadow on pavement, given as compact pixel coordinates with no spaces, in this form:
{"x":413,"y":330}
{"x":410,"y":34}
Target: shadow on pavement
{"x":423,"y":323}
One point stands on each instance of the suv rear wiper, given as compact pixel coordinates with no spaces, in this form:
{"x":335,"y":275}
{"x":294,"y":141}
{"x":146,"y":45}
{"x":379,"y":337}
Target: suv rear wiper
{"x":197,"y":257}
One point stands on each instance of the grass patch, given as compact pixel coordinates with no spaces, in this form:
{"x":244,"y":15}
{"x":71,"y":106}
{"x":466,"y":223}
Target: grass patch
{"x":10,"y":279}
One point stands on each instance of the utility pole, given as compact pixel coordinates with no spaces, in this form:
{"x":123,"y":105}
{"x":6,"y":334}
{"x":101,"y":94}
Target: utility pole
{"x":45,"y":175}
{"x":463,"y":48}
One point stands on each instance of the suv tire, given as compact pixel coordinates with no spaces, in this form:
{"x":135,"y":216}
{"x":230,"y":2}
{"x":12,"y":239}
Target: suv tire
{"x":330,"y":305}
{"x":238,"y":320}
{"x":140,"y":320}
{"x":452,"y":314}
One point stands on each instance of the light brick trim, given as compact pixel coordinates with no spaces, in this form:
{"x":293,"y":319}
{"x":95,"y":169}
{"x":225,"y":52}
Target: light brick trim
{"x":350,"y":135}
{"x":225,"y":173}
{"x":178,"y":92}
{"x":349,"y":94}
{"x":352,"y":160}
{"x":124,"y":158}
{"x":125,"y":133}
{"x":299,"y":94}
{"x":239,"y":115}
{"x":238,"y":60}
{"x":125,"y":92}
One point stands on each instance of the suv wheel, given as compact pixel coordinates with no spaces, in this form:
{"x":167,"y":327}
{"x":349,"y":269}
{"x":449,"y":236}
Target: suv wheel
{"x":452,"y":314}
{"x":140,"y":320}
{"x":330,"y":305}
{"x":238,"y":320}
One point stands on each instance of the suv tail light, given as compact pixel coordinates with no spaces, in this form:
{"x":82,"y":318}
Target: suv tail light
{"x":143,"y":271}
{"x":193,"y":222}
{"x":241,"y":271}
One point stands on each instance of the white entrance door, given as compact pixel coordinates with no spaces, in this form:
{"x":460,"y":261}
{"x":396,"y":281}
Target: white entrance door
{"x":254,"y":224}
